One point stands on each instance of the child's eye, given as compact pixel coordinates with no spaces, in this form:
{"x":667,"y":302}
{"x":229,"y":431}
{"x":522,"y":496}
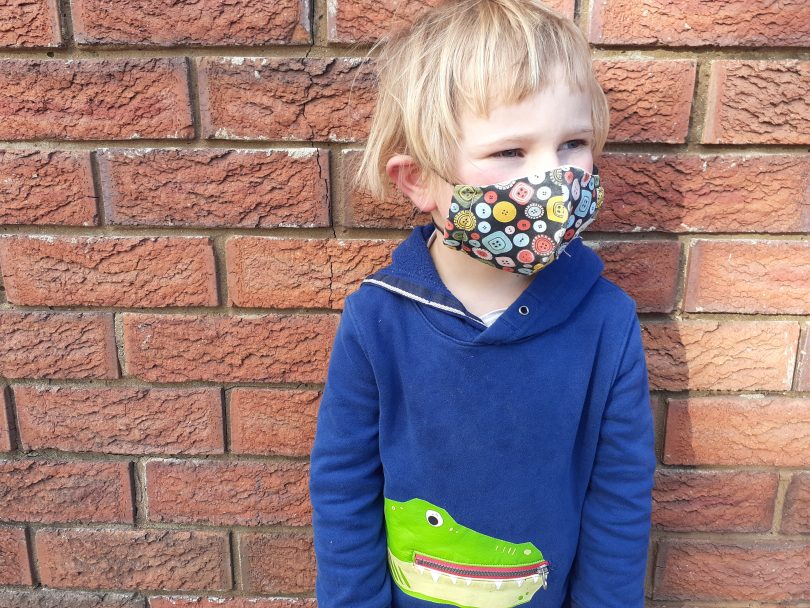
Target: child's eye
{"x":511,"y":153}
{"x":578,"y":143}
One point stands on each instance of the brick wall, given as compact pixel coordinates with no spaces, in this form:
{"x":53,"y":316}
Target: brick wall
{"x":178,"y":238}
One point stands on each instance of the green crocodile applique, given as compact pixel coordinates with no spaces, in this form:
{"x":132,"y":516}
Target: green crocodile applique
{"x":432,"y":557}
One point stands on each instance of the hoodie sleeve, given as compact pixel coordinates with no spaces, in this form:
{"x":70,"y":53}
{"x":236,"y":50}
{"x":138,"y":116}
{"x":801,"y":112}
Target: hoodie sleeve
{"x":346,"y":482}
{"x":610,"y":565}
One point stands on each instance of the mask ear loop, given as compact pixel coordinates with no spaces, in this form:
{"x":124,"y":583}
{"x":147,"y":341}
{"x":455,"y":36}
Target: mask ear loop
{"x":441,"y":229}
{"x":594,"y":174}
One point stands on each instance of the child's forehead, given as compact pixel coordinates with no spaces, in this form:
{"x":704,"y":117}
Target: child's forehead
{"x":508,"y":101}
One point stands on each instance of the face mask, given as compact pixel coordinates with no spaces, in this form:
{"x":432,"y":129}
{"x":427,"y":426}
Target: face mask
{"x":523,"y":225}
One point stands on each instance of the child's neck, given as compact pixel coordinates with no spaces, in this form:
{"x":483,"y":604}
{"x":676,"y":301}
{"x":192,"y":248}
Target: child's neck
{"x":481,"y":288}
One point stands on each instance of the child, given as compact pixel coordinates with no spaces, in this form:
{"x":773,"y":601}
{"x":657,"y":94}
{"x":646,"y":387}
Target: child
{"x":485,"y":436}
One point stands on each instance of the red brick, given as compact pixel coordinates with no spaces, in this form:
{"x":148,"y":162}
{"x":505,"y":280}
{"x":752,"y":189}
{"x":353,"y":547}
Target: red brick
{"x":763,"y":431}
{"x":720,"y":355}
{"x":6,"y":444}
{"x":230,"y":602}
{"x":46,"y":187}
{"x":108,"y":271}
{"x":228,"y":493}
{"x":57,"y":345}
{"x":60,"y":491}
{"x":706,"y":570}
{"x":94,"y":99}
{"x":758,"y":23}
{"x":216,"y":188}
{"x":650,"y":101}
{"x":185,"y":560}
{"x":365,"y":21}
{"x":362,"y":211}
{"x":686,"y":193}
{"x":274,"y":422}
{"x":29,"y":23}
{"x":758,"y":102}
{"x":244,"y":348}
{"x":14,"y":564}
{"x":803,"y":371}
{"x":647,"y":270}
{"x":748,"y":276}
{"x":277,"y":562}
{"x":796,"y":514}
{"x":285,"y":98}
{"x":713,"y":501}
{"x":294,"y":273}
{"x":59,"y":598}
{"x":237,"y":22}
{"x":120,"y":420}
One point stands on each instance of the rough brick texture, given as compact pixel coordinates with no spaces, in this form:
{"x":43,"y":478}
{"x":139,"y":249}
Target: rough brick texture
{"x":708,"y":570}
{"x":368,"y":20}
{"x":696,"y":23}
{"x":229,"y":602}
{"x":29,"y":23}
{"x":57,"y":345}
{"x":758,"y":102}
{"x":278,"y":422}
{"x":762,"y":431}
{"x":720,"y":355}
{"x":237,"y":22}
{"x":216,"y":188}
{"x":362,"y":211}
{"x":288,"y":99}
{"x":647,"y":271}
{"x":60,"y":491}
{"x":293,"y":273}
{"x":98,"y":99}
{"x":183,"y":560}
{"x":689,"y":193}
{"x":226,"y":493}
{"x":57,"y":598}
{"x":120,"y":420}
{"x":796,"y":517}
{"x":255,"y":348}
{"x":14,"y":567}
{"x":650,"y":101}
{"x":769,"y":277}
{"x":278,"y":561}
{"x":714,"y":501}
{"x":108,"y":271}
{"x":46,"y":188}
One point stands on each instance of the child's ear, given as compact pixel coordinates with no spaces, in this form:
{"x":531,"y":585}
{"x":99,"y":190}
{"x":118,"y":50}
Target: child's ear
{"x":407,"y":175}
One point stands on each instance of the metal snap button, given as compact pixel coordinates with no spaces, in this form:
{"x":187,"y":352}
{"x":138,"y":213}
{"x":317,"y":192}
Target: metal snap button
{"x":524,"y":310}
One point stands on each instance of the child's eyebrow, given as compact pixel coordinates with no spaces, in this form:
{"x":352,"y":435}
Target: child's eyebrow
{"x":518,"y":139}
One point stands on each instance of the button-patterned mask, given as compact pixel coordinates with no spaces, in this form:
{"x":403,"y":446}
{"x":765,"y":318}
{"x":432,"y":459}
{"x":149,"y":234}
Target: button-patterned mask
{"x":524,"y":224}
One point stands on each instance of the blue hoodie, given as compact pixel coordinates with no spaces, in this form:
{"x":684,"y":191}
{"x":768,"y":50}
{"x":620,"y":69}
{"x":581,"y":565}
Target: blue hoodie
{"x":458,"y":446}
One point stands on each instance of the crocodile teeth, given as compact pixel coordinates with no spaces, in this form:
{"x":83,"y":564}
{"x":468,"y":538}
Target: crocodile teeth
{"x":468,"y":581}
{"x":435,"y":575}
{"x":498,"y":584}
{"x":520,"y":582}
{"x":534,"y":578}
{"x":421,"y":569}
{"x":452,"y":578}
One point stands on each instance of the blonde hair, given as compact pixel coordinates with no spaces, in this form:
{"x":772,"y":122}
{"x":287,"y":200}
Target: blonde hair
{"x":468,"y":55}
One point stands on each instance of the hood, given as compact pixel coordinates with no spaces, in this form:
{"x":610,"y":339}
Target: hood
{"x":549,"y":300}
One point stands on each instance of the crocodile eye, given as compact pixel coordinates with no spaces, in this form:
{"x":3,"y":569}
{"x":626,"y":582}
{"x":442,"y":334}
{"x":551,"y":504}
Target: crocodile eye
{"x":433,"y":518}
